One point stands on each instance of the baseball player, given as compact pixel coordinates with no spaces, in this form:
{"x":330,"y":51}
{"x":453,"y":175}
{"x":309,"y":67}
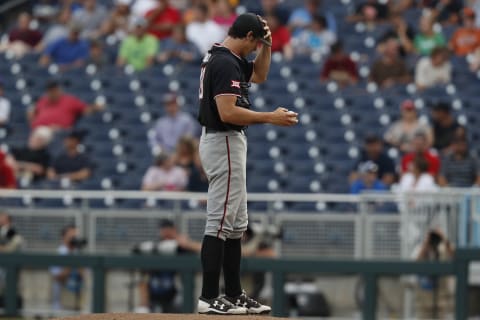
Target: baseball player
{"x":224,"y":114}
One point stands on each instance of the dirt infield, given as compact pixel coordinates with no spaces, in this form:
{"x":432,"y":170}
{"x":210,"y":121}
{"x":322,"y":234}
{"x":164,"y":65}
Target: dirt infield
{"x":159,"y":316}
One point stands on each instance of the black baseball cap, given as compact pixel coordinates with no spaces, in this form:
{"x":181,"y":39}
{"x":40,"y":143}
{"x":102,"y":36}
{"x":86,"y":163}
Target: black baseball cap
{"x":245,"y":23}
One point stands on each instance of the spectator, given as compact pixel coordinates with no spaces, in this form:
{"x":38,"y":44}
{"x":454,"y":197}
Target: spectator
{"x":68,"y":282}
{"x":32,"y":160}
{"x":277,"y":7}
{"x":418,"y":177}
{"x":58,"y":110}
{"x":444,"y":11}
{"x":117,"y":23}
{"x":4,"y":108}
{"x":400,"y":31}
{"x":302,"y":17}
{"x":459,"y":168}
{"x":280,"y":36}
{"x":427,"y":39}
{"x":315,"y":38}
{"x":10,"y":239}
{"x":339,"y":67}
{"x":373,"y":151}
{"x":71,"y":164}
{"x":56,"y":31}
{"x":97,"y":56}
{"x":157,"y":289}
{"x":187,"y":157}
{"x":165,"y":175}
{"x":434,"y":297}
{"x":202,"y":31}
{"x":171,"y":127}
{"x":445,"y":126}
{"x":402,"y":132}
{"x":90,"y":18}
{"x":433,"y":70}
{"x":69,"y":52}
{"x":22,"y":39}
{"x":162,"y":19}
{"x":370,"y":12}
{"x":139,"y":48}
{"x":224,"y":14}
{"x":466,"y":39}
{"x":421,"y":150}
{"x":368,"y":179}
{"x":7,"y":173}
{"x":389,"y":69}
{"x":178,"y":48}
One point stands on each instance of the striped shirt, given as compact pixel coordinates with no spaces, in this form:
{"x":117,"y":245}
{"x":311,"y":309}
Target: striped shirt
{"x":460,"y":172}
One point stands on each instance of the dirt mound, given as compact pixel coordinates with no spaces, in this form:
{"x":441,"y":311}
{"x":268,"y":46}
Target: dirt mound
{"x":160,"y":316}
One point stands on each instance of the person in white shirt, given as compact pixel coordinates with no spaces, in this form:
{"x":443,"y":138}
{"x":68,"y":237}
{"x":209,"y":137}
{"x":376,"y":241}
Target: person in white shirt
{"x":418,"y":180}
{"x":165,"y":175}
{"x":435,"y":69}
{"x":4,"y":108}
{"x":204,"y":32}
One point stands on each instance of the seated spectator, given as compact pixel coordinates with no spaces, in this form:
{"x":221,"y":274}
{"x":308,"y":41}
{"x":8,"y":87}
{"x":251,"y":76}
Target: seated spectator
{"x":277,"y":7}
{"x":302,"y":17}
{"x":373,"y":151}
{"x":427,"y":39}
{"x":71,"y":164}
{"x":434,"y":70}
{"x":203,"y":31}
{"x":368,"y":179}
{"x":400,"y":31}
{"x":466,"y":38}
{"x":59,"y":110}
{"x":165,"y":175}
{"x":10,"y":239}
{"x":97,"y":56}
{"x":171,"y":127}
{"x":89,"y":18}
{"x":418,"y":177}
{"x":223,"y":14}
{"x":162,"y":19}
{"x":459,"y":168}
{"x":178,"y":48}
{"x":443,"y":11}
{"x":22,"y":39}
{"x":402,"y":132}
{"x":186,"y":156}
{"x":4,"y":108}
{"x":280,"y":36}
{"x":370,"y":12}
{"x":339,"y":67}
{"x":7,"y":173}
{"x":139,"y":48}
{"x":315,"y":38}
{"x":445,"y":127}
{"x":68,"y":283}
{"x":56,"y":31}
{"x":117,"y":23}
{"x":32,"y":160}
{"x":421,"y":150}
{"x":389,"y":69}
{"x":69,"y":52}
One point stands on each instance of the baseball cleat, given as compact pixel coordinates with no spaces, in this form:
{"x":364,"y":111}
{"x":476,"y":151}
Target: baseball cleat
{"x":252,"y":306}
{"x":218,"y":306}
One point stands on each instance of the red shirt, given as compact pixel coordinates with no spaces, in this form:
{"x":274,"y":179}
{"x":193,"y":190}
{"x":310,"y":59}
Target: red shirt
{"x":432,"y":159}
{"x":168,"y":15}
{"x":7,"y":175}
{"x":61,"y":113}
{"x":280,"y":37}
{"x":345,"y":64}
{"x":29,"y":36}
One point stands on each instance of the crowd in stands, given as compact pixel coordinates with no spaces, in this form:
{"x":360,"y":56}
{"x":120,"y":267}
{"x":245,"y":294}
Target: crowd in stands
{"x":72,"y":34}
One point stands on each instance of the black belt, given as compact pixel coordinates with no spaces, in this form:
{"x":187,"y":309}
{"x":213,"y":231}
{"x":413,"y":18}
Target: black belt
{"x":211,"y":130}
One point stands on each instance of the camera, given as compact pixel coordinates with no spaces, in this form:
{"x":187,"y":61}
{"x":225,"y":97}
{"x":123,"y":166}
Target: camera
{"x":434,"y":239}
{"x":78,"y":243}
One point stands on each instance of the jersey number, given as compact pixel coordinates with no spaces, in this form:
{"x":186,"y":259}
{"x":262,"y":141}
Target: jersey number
{"x":200,"y":90}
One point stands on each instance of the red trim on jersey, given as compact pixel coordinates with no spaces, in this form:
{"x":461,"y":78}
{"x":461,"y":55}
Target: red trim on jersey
{"x":228,"y":187}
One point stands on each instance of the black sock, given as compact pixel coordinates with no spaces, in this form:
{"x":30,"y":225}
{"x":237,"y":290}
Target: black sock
{"x":212,"y":257}
{"x":231,"y":267}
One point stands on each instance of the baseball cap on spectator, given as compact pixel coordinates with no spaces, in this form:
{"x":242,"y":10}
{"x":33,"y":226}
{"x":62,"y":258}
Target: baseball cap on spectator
{"x":139,"y":22}
{"x":166,"y":223}
{"x":245,"y":23}
{"x":468,"y":12}
{"x":442,"y":107}
{"x":407,"y":105}
{"x":368,"y":167}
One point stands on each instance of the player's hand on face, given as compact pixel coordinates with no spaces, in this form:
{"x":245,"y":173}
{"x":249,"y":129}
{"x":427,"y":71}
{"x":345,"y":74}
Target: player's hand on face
{"x":268,"y":33}
{"x":283,"y":117}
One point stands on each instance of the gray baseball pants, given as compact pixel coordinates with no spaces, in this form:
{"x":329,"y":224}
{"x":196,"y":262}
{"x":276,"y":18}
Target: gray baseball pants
{"x":224,"y":158}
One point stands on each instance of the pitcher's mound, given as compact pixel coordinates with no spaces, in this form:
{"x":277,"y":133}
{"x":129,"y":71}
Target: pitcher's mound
{"x":161,"y":316}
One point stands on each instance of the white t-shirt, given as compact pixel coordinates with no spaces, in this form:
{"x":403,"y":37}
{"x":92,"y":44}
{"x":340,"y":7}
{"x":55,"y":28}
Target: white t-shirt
{"x":141,"y":7}
{"x":426,"y":75}
{"x":204,"y":34}
{"x":174,"y":179}
{"x":424,"y":183}
{"x":4,"y":110}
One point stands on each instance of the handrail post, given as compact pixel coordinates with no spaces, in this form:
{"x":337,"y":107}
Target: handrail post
{"x":461,"y":289}
{"x":11,"y":291}
{"x":98,"y":296}
{"x":369,"y":311}
{"x":188,"y":291}
{"x":278,"y":293}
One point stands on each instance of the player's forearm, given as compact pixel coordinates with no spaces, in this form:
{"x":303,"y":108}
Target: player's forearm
{"x":243,"y":117}
{"x":262,"y":63}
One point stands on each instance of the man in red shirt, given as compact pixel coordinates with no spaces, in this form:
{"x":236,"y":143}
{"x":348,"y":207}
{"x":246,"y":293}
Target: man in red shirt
{"x":280,"y":35}
{"x":339,"y":67}
{"x":58,"y":110}
{"x":7,"y":175}
{"x":420,"y":148}
{"x":162,"y":20}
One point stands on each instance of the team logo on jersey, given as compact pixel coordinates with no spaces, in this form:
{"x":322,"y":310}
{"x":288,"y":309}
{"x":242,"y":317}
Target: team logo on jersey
{"x":235,"y":84}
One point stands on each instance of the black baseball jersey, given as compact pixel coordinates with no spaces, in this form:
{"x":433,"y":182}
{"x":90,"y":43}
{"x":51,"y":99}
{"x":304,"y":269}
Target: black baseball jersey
{"x":223,"y":73}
